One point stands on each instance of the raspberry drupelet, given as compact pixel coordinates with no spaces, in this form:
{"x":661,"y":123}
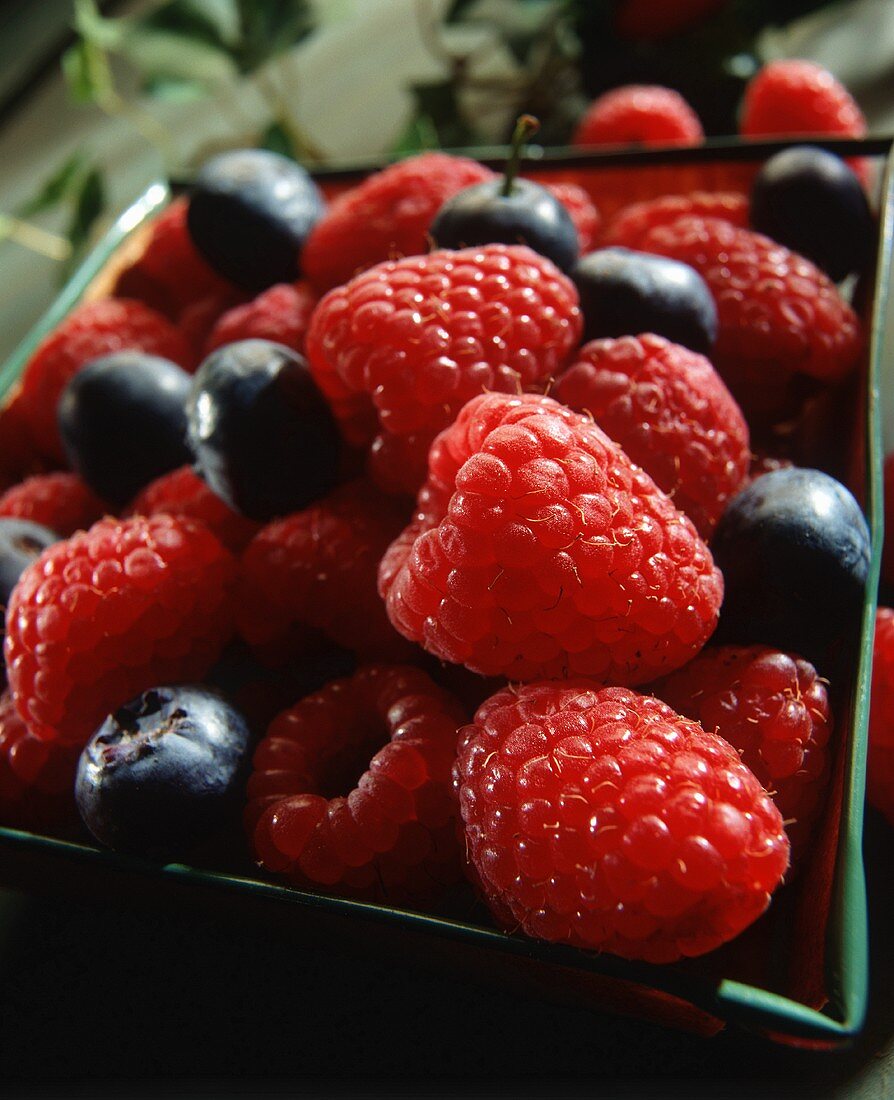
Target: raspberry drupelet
{"x":795,"y":97}
{"x":774,"y":709}
{"x":670,"y":411}
{"x":110,"y":612}
{"x":400,"y":349}
{"x":603,"y":819}
{"x":629,"y":226}
{"x":540,"y":550}
{"x":281,"y":314}
{"x":389,"y":835}
{"x":639,"y":114}
{"x":60,"y":501}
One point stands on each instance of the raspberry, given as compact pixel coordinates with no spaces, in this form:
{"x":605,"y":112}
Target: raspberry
{"x":171,"y":274}
{"x":670,"y":411}
{"x":778,"y":314}
{"x":36,"y":777}
{"x":20,"y":456}
{"x":765,"y":464}
{"x":653,"y":20}
{"x":540,"y":550}
{"x":317,"y":569}
{"x":113,"y":611}
{"x":281,"y":314}
{"x":631,"y":224}
{"x":386,"y":216}
{"x":183,"y":493}
{"x":583,"y":213}
{"x":794,"y":97}
{"x":605,"y":820}
{"x":645,"y":114}
{"x":880,"y":761}
{"x":401,"y":348}
{"x":198,"y":319}
{"x":774,"y":710}
{"x":91,"y":330}
{"x":391,"y":835}
{"x":60,"y":501}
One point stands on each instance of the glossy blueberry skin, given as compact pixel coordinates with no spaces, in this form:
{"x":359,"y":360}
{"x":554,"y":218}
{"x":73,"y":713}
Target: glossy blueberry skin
{"x":794,"y":550}
{"x":530,"y":215}
{"x":810,"y":201}
{"x":163,"y":772}
{"x":261,"y":432}
{"x":122,"y":419}
{"x":625,"y":293}
{"x":250,"y":212}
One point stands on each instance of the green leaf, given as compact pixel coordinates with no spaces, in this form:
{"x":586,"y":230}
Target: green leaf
{"x":95,"y":28}
{"x":438,"y":103}
{"x":419,"y":136}
{"x":86,"y":73}
{"x":276,"y":139}
{"x":269,"y":27}
{"x":89,"y":205}
{"x":162,"y":53}
{"x":171,"y":89}
{"x":61,"y":185}
{"x":215,"y":22}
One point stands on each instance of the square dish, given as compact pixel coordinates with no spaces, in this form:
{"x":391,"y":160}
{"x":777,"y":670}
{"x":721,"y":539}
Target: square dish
{"x":800,"y":974}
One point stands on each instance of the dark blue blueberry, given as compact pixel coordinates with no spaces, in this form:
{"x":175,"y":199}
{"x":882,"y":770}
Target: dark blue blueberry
{"x":810,"y":201}
{"x":263,"y":437}
{"x":20,"y":543}
{"x":529,"y":214}
{"x":163,"y":772}
{"x":250,"y":212}
{"x":123,"y":422}
{"x":794,"y":551}
{"x":625,"y":293}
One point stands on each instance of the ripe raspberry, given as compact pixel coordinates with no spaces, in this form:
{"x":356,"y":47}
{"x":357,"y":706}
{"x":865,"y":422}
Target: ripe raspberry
{"x":630,"y":225}
{"x":605,"y":820}
{"x":391,"y":835}
{"x":653,"y":20}
{"x":539,"y":550}
{"x":778,"y":314}
{"x":880,"y":761}
{"x":774,"y":710}
{"x":317,"y":569}
{"x":112,"y":611}
{"x":765,"y":464}
{"x":794,"y":97}
{"x":583,"y":213}
{"x":670,"y":411}
{"x":91,"y":330}
{"x":20,"y":456}
{"x":198,"y":319}
{"x":183,"y":493}
{"x":36,"y":777}
{"x":281,"y":314}
{"x":400,"y":349}
{"x":385,"y":217}
{"x":171,"y":274}
{"x":60,"y":501}
{"x":642,"y":114}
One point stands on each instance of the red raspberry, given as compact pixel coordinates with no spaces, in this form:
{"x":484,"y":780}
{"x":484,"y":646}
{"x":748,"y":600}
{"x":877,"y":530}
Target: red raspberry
{"x":391,"y":835}
{"x":794,"y":98}
{"x":198,"y":319}
{"x":670,"y":411}
{"x":385,"y":217}
{"x":400,"y":349}
{"x":316,"y":571}
{"x":183,"y":493}
{"x":281,"y":314}
{"x":764,"y":464}
{"x":880,"y":762}
{"x":778,"y":314}
{"x":583,"y":213}
{"x":605,"y":820}
{"x":631,"y":224}
{"x":774,"y":710}
{"x":60,"y":501}
{"x":540,"y":550}
{"x":20,"y":456}
{"x":641,"y":114}
{"x":653,"y":20}
{"x":171,"y":273}
{"x":36,"y":777}
{"x":94,"y":329}
{"x":104,"y":615}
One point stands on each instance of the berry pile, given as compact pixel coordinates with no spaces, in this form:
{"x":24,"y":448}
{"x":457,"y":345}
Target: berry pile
{"x":331,"y":469}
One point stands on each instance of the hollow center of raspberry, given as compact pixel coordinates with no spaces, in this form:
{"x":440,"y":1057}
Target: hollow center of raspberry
{"x":343,"y":766}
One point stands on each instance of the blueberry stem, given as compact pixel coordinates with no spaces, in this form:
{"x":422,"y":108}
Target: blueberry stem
{"x":525,"y":127}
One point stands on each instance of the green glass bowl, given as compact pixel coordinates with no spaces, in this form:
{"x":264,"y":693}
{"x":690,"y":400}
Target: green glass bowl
{"x":699,"y":995}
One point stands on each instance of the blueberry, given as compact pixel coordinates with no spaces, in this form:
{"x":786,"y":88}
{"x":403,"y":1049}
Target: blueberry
{"x":794,"y":550}
{"x":625,"y":293}
{"x":250,"y":212}
{"x":163,"y":772}
{"x":529,"y":214}
{"x":264,"y":438}
{"x":123,"y":422}
{"x":810,"y":201}
{"x":21,"y":541}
